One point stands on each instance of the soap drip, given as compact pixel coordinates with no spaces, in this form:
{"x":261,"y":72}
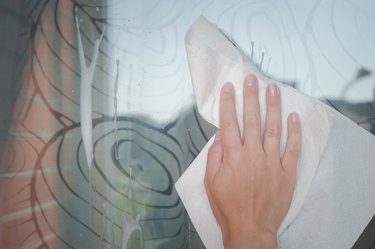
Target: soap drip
{"x":112,"y":227}
{"x":129,"y":226}
{"x":115,"y":106}
{"x":258,"y":62}
{"x":189,"y":227}
{"x":128,"y":189}
{"x":91,"y":195}
{"x":252,"y":51}
{"x":113,"y":234}
{"x":261,"y":62}
{"x":87,"y":77}
{"x":104,"y":225}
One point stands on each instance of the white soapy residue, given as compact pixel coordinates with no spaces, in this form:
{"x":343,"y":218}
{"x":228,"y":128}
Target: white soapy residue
{"x":115,"y":106}
{"x":112,"y":226}
{"x":130,"y":190}
{"x":129,"y":226}
{"x":113,"y":234}
{"x":252,"y":52}
{"x":104,"y":225}
{"x":87,"y":76}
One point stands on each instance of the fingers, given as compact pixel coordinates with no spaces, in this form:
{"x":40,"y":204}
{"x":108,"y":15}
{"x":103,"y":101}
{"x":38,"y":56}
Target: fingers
{"x":293,"y":143}
{"x":229,"y":129}
{"x":272,"y":130}
{"x":251,"y":115}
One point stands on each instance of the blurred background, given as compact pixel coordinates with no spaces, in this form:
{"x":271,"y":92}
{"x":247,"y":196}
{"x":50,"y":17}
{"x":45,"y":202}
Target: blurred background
{"x":67,"y":182}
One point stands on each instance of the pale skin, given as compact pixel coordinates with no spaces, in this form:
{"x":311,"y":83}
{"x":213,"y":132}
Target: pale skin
{"x":249,"y":186}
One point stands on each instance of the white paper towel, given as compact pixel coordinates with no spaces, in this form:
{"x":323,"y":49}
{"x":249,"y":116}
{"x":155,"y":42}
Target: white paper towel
{"x":214,"y":60}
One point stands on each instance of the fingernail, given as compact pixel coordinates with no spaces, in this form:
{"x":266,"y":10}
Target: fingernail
{"x":273,"y":90}
{"x":251,"y":80}
{"x":217,"y":135}
{"x":294,"y":118}
{"x":227,"y":87}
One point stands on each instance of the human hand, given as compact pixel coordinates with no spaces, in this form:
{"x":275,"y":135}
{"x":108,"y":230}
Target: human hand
{"x":248,"y":185}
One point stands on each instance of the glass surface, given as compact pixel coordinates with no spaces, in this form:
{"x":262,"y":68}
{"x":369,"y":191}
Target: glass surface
{"x":97,"y":110}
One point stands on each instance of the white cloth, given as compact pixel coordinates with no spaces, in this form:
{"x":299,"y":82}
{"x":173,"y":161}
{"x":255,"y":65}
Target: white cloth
{"x":214,"y":60}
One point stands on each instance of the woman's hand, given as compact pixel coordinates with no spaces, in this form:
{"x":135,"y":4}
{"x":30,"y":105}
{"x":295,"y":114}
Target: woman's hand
{"x":248,"y":185}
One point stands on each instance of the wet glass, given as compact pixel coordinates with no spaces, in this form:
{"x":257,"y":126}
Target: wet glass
{"x":97,"y":111}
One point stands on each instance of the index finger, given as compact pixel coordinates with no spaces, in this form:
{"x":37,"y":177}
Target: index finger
{"x":229,"y":129}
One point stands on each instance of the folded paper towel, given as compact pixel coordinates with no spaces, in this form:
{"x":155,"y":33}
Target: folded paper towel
{"x":214,"y":60}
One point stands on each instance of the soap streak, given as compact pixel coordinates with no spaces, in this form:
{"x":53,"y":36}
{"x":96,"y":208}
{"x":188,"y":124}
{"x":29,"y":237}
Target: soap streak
{"x":91,"y":195}
{"x":113,"y":235}
{"x":189,"y":227}
{"x":129,"y":106}
{"x":87,"y":76}
{"x":115,"y":106}
{"x":261,"y":62}
{"x":252,"y":51}
{"x":104,"y":225}
{"x":129,"y":226}
{"x":130,"y":190}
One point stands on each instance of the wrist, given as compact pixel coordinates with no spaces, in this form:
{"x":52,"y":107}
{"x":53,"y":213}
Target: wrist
{"x":250,"y":240}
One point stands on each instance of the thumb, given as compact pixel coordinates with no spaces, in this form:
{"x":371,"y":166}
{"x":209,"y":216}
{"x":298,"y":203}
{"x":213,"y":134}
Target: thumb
{"x":214,"y":159}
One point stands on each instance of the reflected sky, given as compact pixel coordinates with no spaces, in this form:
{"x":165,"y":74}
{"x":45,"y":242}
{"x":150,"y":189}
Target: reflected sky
{"x":318,"y":45}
